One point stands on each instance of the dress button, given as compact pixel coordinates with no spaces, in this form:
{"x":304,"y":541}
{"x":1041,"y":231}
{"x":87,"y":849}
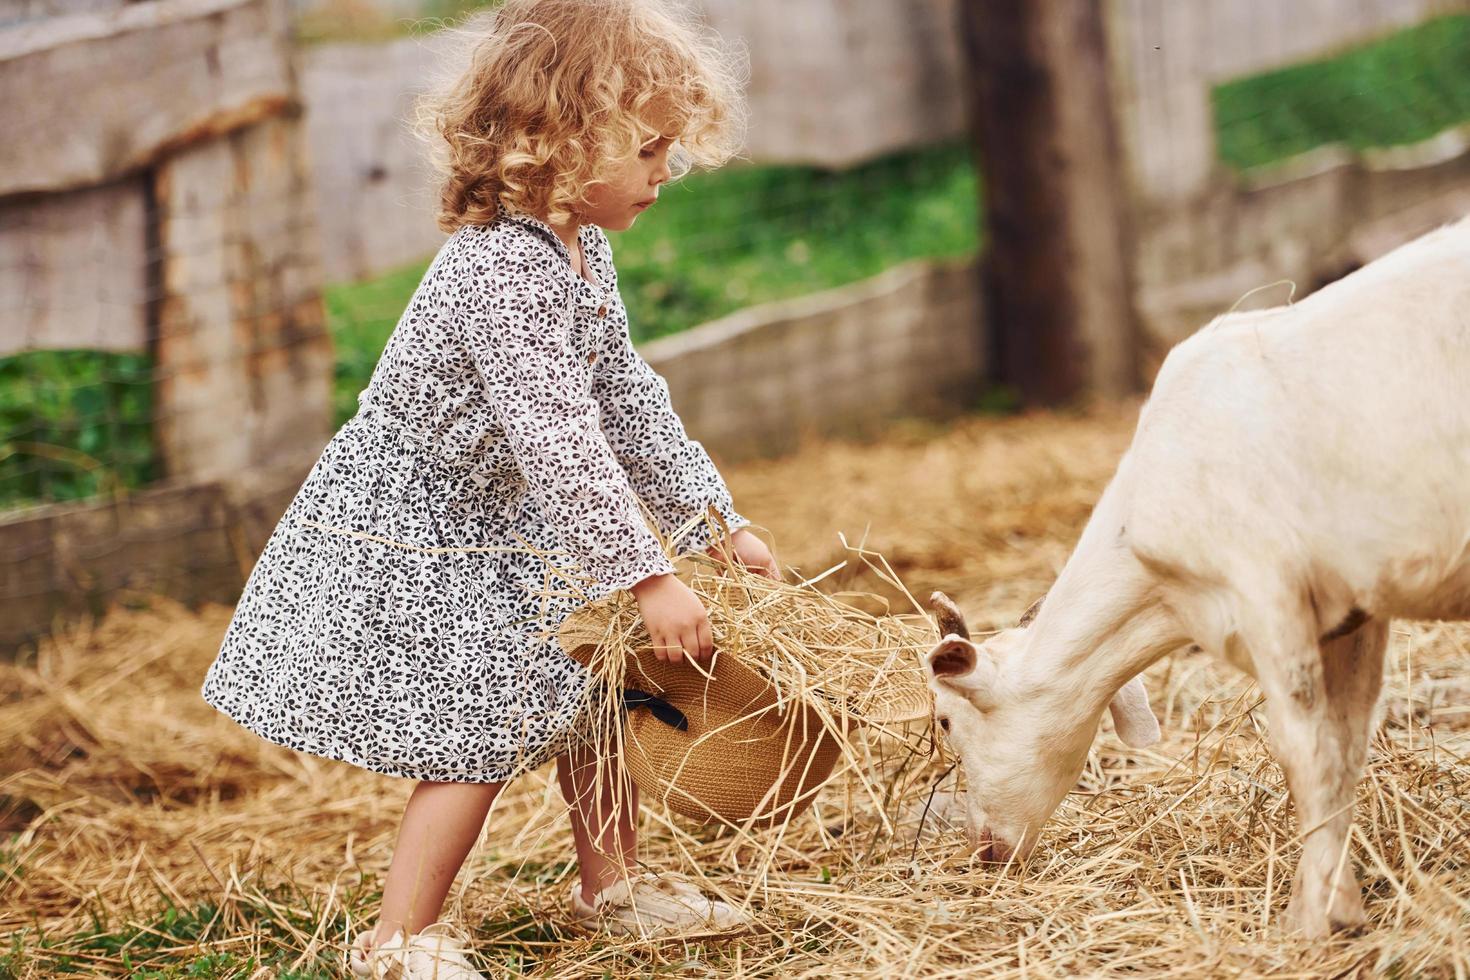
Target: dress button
{"x":602,"y":310}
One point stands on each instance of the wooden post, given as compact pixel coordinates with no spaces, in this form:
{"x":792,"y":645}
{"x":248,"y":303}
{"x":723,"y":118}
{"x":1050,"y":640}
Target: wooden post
{"x":1056,"y":272}
{"x":243,"y":358}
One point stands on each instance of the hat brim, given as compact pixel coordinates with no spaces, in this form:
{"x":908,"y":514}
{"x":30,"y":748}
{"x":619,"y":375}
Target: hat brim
{"x":738,"y":751}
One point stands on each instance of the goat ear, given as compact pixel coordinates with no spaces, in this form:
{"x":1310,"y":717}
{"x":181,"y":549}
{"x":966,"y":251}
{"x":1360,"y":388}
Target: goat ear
{"x":957,"y":663}
{"x":955,"y":656}
{"x":1132,"y":717}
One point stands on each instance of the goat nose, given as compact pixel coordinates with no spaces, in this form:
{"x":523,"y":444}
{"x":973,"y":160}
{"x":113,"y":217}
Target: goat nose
{"x":991,"y":850}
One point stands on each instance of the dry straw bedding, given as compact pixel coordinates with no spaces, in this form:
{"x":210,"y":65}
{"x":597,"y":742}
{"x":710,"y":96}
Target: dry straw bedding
{"x":144,"y":832}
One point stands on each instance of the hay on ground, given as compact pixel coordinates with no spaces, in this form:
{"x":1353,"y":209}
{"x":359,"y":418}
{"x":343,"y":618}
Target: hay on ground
{"x":144,"y":831}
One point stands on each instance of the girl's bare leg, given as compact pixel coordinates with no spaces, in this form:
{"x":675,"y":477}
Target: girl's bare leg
{"x":604,"y":810}
{"x":440,"y":825}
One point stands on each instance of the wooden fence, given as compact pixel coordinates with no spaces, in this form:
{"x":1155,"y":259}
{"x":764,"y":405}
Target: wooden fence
{"x":162,"y":205}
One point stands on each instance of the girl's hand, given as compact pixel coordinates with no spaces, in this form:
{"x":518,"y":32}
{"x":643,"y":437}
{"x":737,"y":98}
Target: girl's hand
{"x":675,"y":617}
{"x":750,"y":551}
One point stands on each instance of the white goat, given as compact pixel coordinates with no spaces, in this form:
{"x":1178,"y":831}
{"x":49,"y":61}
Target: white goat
{"x":1298,"y":477}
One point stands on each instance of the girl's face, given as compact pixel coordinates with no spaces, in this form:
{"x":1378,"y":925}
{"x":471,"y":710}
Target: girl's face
{"x":631,"y":188}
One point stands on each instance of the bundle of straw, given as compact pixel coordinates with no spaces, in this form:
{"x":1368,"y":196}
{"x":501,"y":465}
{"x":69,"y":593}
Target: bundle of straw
{"x":750,"y":738}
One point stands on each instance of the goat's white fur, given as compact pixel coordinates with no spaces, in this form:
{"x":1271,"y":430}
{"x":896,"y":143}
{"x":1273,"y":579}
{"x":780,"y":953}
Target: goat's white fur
{"x":1299,"y":477}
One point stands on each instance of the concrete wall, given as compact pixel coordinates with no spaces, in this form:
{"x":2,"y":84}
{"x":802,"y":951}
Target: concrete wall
{"x":376,"y":194}
{"x":92,"y":114}
{"x":192,"y":540}
{"x":909,"y":341}
{"x":90,"y":97}
{"x":1201,"y":258}
{"x":836,"y":82}
{"x":96,"y":237}
{"x":18,"y":11}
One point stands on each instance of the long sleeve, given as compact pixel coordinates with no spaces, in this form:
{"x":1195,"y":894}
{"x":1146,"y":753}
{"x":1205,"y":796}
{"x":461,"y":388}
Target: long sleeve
{"x":516,"y":322}
{"x":671,"y":472}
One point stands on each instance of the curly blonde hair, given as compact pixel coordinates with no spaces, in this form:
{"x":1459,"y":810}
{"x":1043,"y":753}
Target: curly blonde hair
{"x":561,"y":91}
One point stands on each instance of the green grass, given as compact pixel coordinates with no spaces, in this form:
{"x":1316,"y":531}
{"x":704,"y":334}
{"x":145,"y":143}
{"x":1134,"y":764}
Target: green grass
{"x":720,"y":241}
{"x":202,"y":941}
{"x":266,"y":929}
{"x":77,"y":423}
{"x":1400,"y":89}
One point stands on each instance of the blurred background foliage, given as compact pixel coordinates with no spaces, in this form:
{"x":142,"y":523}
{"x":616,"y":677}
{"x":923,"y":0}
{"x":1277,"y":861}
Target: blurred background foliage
{"x":1404,"y":88}
{"x":77,"y":423}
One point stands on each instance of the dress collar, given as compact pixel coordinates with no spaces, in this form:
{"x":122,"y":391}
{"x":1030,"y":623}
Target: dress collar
{"x":586,"y":234}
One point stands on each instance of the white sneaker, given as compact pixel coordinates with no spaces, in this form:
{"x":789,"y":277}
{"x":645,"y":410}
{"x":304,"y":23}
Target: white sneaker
{"x":437,"y":952}
{"x":357,"y":956}
{"x":656,"y":906}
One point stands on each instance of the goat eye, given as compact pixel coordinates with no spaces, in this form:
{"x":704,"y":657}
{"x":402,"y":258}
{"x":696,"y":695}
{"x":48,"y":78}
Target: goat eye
{"x":944,"y":724}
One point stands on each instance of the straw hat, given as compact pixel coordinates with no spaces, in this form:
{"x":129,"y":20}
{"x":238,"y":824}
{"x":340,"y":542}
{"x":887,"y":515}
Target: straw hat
{"x":721,"y":747}
{"x":739,"y":739}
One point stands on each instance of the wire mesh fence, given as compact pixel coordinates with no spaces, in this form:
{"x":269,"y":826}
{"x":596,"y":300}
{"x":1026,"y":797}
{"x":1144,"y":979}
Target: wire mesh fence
{"x":84,"y":320}
{"x":163,"y":329}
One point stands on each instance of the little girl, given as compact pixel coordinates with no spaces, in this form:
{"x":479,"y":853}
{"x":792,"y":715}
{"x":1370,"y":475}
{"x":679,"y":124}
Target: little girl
{"x":402,"y":615}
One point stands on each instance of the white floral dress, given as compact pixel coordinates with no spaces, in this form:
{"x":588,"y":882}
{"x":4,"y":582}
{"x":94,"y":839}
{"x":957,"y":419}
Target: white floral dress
{"x":509,"y":413}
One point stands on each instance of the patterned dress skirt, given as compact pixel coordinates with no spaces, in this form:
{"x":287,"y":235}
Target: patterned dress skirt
{"x":439,"y":665}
